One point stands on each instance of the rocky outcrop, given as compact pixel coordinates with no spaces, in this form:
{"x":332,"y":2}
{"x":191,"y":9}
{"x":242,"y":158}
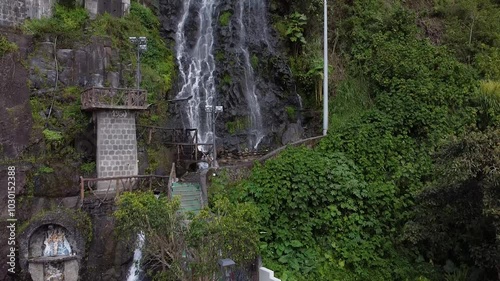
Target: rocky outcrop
{"x":31,"y":73}
{"x":93,"y":64}
{"x":274,"y":84}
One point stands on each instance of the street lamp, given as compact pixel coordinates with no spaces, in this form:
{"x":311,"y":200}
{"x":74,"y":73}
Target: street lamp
{"x":325,"y":69}
{"x":210,"y":109}
{"x":141,"y":45}
{"x":226,"y":268}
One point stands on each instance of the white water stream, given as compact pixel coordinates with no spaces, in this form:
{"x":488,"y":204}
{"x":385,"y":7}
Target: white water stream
{"x":135,"y":270}
{"x":197,"y":64}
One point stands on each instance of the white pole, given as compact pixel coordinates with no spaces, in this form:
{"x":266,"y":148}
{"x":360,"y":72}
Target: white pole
{"x":325,"y":71}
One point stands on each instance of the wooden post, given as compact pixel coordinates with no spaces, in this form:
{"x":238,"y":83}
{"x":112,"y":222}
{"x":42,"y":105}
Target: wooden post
{"x":82,"y":190}
{"x":195,"y":146}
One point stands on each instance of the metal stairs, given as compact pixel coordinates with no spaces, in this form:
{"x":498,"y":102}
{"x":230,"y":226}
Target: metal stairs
{"x":190,"y":194}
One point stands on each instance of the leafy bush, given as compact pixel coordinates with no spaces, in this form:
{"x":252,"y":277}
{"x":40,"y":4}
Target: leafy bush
{"x":224,"y":18}
{"x":173,"y":250}
{"x":6,"y":46}
{"x":66,"y":23}
{"x":457,"y":217}
{"x":314,"y":203}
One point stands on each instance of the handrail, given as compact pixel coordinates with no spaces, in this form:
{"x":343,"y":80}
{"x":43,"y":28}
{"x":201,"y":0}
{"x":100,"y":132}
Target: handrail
{"x":113,"y":98}
{"x":125,"y":183}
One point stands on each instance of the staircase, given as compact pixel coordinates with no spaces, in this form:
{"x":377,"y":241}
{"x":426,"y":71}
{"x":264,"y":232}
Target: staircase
{"x":190,"y":194}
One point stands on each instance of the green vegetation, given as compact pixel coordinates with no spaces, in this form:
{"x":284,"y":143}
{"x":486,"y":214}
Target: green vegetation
{"x":65,"y":25}
{"x":238,"y":125}
{"x":57,"y":115}
{"x":45,"y":170}
{"x":291,"y":112}
{"x":224,"y":18}
{"x":88,"y":168}
{"x":403,"y":186}
{"x":176,"y":251}
{"x":6,"y":46}
{"x":227,"y":80}
{"x":70,"y":26}
{"x":254,"y":61}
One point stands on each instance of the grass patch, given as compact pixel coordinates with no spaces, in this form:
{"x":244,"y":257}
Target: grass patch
{"x":351,"y":101}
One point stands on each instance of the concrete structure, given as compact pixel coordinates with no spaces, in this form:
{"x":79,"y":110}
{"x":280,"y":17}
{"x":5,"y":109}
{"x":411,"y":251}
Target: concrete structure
{"x":14,"y":12}
{"x":114,"y":112}
{"x":116,"y":144}
{"x":116,"y":8}
{"x":265,"y":274}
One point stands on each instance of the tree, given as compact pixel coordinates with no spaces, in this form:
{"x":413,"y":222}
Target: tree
{"x":459,"y":214}
{"x":181,"y":246}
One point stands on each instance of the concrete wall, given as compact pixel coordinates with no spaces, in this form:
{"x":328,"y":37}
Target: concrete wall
{"x":265,"y":274}
{"x":116,"y":145}
{"x":14,"y":12}
{"x":116,"y":8}
{"x":37,"y":9}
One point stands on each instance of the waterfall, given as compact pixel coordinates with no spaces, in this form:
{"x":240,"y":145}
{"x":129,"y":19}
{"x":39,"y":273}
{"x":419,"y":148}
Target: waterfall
{"x":249,"y":87}
{"x":196,"y":62}
{"x":197,"y":66}
{"x":135,"y":270}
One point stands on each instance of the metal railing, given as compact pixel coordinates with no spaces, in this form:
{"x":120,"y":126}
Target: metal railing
{"x":113,"y":98}
{"x":185,"y":140}
{"x":112,"y":186}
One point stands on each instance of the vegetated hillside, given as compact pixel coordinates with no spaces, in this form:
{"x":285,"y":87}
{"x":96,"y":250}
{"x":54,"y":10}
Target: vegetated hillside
{"x":406,"y":184}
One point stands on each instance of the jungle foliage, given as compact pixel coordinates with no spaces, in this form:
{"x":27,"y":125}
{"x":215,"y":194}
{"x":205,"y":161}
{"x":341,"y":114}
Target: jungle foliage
{"x":181,"y":246}
{"x":405,"y":185}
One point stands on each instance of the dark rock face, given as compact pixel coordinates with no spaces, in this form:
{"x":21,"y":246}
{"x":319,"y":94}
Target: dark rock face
{"x":63,"y":182}
{"x":270,"y":74}
{"x":94,"y":64}
{"x":109,"y":257}
{"x":15,"y":128}
{"x":15,"y":111}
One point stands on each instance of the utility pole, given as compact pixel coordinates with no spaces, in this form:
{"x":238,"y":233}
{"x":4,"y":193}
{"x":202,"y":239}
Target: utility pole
{"x":325,"y":69}
{"x":214,"y":110}
{"x":141,"y":46}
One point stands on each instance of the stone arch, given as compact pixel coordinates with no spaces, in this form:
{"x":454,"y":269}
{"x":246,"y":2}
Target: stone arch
{"x":73,"y":225}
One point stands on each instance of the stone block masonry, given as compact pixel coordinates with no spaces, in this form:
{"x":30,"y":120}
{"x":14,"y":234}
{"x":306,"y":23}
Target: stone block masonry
{"x":14,"y":12}
{"x":116,"y":146}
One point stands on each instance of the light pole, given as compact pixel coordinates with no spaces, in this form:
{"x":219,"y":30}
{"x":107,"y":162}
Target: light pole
{"x":141,"y":45}
{"x":214,"y":111}
{"x":325,"y":69}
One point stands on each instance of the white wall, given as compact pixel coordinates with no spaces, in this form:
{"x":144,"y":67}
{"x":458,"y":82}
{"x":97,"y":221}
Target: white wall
{"x":265,"y":274}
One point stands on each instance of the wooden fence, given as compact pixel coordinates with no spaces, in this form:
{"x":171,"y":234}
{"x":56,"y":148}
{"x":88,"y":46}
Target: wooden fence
{"x":113,"y":98}
{"x":112,"y":186}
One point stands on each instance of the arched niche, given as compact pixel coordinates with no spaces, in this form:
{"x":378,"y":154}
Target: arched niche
{"x":52,"y":246}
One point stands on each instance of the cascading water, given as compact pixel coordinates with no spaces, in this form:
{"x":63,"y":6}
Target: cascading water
{"x":135,"y":270}
{"x":197,"y":63}
{"x":252,"y":7}
{"x":197,"y":66}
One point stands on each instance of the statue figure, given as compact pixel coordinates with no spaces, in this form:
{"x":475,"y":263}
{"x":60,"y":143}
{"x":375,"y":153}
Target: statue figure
{"x":56,"y":243}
